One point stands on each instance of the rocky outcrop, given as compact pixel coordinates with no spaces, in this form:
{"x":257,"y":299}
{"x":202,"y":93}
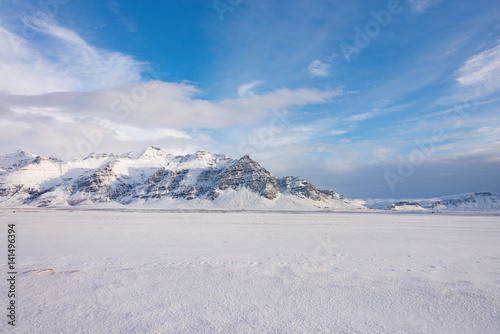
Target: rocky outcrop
{"x":149,"y":176}
{"x":246,"y":173}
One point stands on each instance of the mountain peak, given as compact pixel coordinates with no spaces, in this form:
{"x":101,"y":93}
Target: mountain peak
{"x":201,"y":154}
{"x":246,"y":157}
{"x":150,"y":153}
{"x":24,"y":153}
{"x":16,"y":160}
{"x":39,"y":159}
{"x":199,"y":158}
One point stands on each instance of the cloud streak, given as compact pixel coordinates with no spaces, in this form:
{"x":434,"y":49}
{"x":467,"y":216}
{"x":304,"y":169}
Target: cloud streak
{"x":247,"y":89}
{"x":166,"y":104}
{"x":482,"y":67}
{"x":66,"y":63}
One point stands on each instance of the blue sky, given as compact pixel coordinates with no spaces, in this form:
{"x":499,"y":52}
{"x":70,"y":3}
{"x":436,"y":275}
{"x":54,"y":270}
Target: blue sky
{"x":368,"y":98}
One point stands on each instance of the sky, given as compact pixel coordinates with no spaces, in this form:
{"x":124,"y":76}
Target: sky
{"x":372,"y":99}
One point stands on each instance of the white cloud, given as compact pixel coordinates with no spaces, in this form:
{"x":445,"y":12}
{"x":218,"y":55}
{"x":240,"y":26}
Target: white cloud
{"x":51,"y":113}
{"x":247,"y":89}
{"x":132,"y":133}
{"x":362,"y":117}
{"x":65,"y":63}
{"x":317,"y":68}
{"x":280,"y":99}
{"x":482,"y":68}
{"x":463,"y":106}
{"x":422,"y":5}
{"x":165,"y":104}
{"x":57,"y":89}
{"x":376,"y":112}
{"x":337,"y":132}
{"x":137,"y":112}
{"x":381,"y":153}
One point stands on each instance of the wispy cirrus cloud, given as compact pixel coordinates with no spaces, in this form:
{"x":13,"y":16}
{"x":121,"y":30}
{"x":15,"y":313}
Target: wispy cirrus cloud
{"x":66,"y":63}
{"x":247,"y":89}
{"x":482,"y":67}
{"x":382,"y":108}
{"x":362,"y":117}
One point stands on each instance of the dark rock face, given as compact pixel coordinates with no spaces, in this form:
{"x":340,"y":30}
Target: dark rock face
{"x":97,"y":180}
{"x":246,"y":173}
{"x":299,"y":187}
{"x":149,"y":176}
{"x":404,"y":203}
{"x":207,"y":182}
{"x":29,"y":179}
{"x":103,"y":186}
{"x":242,"y":173}
{"x":9,"y":191}
{"x":468,"y":199}
{"x":167,"y":183}
{"x":36,"y":194}
{"x":158,"y":184}
{"x":97,"y":185}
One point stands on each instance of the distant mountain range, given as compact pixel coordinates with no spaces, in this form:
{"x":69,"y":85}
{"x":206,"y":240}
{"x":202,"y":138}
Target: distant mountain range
{"x":154,"y":178}
{"x":477,"y":201}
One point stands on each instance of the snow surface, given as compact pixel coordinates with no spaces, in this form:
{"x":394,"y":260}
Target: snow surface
{"x":157,"y":271}
{"x":16,"y":160}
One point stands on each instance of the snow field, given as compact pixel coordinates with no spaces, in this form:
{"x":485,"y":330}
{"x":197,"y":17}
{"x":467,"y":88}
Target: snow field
{"x":139,"y":271}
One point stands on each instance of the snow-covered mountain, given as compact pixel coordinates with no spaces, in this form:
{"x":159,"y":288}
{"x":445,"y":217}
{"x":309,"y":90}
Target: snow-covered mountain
{"x":478,"y":201}
{"x":154,"y":178}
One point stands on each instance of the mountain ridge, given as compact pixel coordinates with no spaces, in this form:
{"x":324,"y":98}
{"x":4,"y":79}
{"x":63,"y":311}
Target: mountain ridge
{"x":472,"y":201}
{"x":154,"y":178}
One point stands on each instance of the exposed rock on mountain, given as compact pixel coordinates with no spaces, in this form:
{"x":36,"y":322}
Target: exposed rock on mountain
{"x":152,"y":177}
{"x":155,"y":178}
{"x":478,"y":201}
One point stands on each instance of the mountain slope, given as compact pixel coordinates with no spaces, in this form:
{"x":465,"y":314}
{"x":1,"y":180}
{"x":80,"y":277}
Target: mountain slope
{"x":477,"y":201}
{"x":152,"y":177}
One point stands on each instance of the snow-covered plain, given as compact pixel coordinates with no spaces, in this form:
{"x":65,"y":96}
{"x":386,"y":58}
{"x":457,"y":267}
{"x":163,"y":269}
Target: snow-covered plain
{"x":153,"y":271}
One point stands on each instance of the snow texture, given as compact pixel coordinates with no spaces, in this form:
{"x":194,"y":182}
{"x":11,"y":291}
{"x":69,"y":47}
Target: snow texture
{"x":158,"y":271}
